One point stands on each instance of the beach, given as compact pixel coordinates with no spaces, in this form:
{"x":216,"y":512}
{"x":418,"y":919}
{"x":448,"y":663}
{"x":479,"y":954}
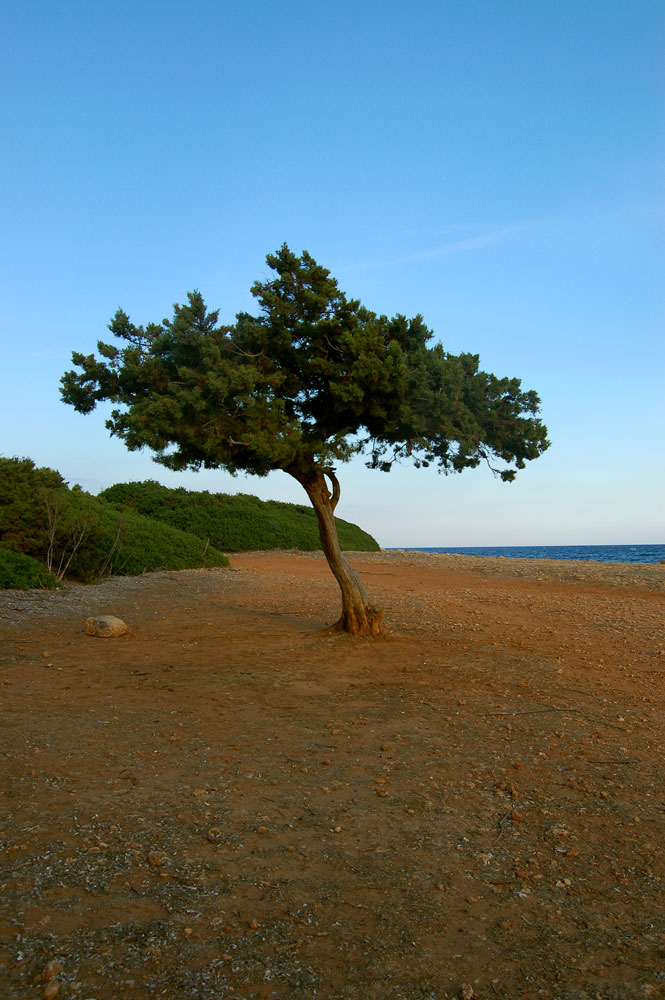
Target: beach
{"x":230,"y":801}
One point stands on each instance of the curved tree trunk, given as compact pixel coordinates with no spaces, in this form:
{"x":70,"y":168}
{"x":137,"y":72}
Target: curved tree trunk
{"x":359,"y":617}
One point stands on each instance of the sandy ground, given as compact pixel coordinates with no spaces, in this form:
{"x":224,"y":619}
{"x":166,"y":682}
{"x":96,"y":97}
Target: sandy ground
{"x":229,"y":803}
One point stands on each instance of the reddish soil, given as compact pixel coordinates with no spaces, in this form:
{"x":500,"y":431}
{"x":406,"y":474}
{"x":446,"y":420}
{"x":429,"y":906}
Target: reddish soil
{"x":229,"y":803}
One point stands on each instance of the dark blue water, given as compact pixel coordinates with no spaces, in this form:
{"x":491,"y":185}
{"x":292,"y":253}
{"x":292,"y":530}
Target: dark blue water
{"x":596,"y":553}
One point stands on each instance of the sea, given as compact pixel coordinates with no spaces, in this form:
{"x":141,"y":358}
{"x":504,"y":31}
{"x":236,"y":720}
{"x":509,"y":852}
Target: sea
{"x":595,"y":553}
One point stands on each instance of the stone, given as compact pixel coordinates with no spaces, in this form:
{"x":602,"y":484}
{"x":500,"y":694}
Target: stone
{"x":106,"y":626}
{"x":52,"y":970}
{"x":157,"y":858}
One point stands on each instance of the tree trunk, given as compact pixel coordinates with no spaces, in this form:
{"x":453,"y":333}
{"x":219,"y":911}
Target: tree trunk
{"x":359,"y":617}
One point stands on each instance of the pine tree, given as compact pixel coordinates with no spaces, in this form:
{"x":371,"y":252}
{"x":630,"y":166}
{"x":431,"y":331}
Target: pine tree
{"x":310,"y":381}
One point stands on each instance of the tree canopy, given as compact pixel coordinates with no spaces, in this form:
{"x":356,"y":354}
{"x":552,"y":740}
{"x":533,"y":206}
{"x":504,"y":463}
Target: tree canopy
{"x":308,"y":382}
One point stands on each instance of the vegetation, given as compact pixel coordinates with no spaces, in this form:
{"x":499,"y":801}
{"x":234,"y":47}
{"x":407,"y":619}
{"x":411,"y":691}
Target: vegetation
{"x":71,"y":533}
{"x":234,"y":523}
{"x":311,"y":381}
{"x":22,"y":572}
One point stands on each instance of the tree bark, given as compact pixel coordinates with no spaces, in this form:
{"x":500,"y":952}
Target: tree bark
{"x":359,"y":617}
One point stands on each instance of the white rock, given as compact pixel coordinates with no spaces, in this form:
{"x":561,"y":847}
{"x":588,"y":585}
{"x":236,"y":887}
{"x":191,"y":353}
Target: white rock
{"x":106,"y":626}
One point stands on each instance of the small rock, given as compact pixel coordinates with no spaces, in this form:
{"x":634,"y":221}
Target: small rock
{"x":106,"y":626}
{"x":214,"y":834}
{"x":52,"y":969}
{"x":51,"y":991}
{"x":157,"y":858}
{"x":467,"y":992}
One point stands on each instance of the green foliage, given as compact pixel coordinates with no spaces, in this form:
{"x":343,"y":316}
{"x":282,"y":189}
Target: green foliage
{"x":22,"y":514}
{"x":21,"y":572}
{"x":235,"y":523}
{"x":71,"y":532}
{"x":311,"y":380}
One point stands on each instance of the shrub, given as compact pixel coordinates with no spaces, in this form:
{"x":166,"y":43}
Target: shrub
{"x":21,"y":572}
{"x":235,"y":523}
{"x":84,"y":537}
{"x":22,"y":489}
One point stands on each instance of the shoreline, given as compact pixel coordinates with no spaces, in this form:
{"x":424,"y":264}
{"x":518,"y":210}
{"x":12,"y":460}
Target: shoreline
{"x":17,"y":604}
{"x":650,"y":554}
{"x":650,"y":576}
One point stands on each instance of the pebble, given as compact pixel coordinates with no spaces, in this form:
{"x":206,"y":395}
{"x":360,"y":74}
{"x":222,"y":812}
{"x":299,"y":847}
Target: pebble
{"x":51,"y":970}
{"x":157,"y":858}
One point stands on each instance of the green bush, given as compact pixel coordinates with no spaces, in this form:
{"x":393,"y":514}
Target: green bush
{"x":84,"y":537}
{"x":235,"y":523}
{"x":20,"y":572}
{"x":23,"y":525}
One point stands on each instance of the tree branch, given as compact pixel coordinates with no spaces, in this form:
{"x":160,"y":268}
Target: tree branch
{"x":334,"y":496}
{"x":483,"y":454}
{"x":245,"y":354}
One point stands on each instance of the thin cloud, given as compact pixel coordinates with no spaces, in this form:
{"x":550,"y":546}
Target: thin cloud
{"x":468,"y":243}
{"x":478,"y":237}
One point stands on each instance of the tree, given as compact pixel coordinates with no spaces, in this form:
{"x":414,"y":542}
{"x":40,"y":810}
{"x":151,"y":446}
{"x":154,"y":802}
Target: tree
{"x":312,"y":380}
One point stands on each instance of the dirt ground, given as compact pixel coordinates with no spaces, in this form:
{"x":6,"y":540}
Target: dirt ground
{"x":229,"y":803}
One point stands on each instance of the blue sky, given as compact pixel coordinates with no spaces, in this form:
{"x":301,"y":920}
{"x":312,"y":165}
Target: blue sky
{"x":496,"y":166}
